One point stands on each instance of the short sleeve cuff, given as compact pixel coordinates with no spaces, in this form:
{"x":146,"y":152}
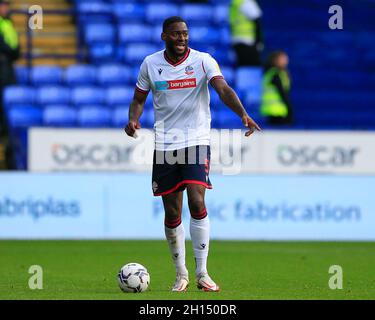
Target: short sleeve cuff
{"x":141,"y":90}
{"x":216,"y":77}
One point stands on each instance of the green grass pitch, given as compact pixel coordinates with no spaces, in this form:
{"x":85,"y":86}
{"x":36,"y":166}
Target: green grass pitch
{"x":244,"y":270}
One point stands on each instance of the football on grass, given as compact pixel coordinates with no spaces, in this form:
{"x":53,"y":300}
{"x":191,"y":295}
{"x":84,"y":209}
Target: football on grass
{"x":133,"y":277}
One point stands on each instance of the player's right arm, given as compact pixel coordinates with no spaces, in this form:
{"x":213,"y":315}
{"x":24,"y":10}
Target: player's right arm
{"x":135,"y":112}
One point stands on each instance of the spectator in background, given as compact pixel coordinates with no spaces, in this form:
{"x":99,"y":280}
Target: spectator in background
{"x":9,"y":46}
{"x":276,"y":105}
{"x":244,"y":17}
{"x":9,"y":53}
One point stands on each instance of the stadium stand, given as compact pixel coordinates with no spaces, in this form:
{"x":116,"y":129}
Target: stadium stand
{"x":59,"y":116}
{"x":332,"y":71}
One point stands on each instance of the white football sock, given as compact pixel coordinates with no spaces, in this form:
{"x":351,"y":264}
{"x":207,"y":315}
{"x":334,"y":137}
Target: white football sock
{"x":176,"y":242}
{"x":200,"y":236}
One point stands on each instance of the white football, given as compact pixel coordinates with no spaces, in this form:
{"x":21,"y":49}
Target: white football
{"x":133,"y":277}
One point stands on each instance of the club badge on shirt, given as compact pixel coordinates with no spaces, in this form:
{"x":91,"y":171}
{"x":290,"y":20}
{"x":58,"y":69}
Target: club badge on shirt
{"x":189,"y":70}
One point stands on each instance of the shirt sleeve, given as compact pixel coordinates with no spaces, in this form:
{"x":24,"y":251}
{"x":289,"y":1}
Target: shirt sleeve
{"x":143,"y":82}
{"x":211,"y":68}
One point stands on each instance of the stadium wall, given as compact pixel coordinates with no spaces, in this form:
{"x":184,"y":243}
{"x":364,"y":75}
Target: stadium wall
{"x":273,"y":151}
{"x":121,"y":205}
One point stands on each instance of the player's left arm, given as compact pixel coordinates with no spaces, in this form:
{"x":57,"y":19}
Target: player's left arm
{"x":230,"y":98}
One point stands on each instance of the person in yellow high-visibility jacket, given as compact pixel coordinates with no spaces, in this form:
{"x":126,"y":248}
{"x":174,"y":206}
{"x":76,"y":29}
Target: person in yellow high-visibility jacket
{"x":9,"y":53}
{"x":9,"y":45}
{"x":276,"y":106}
{"x":247,"y":40}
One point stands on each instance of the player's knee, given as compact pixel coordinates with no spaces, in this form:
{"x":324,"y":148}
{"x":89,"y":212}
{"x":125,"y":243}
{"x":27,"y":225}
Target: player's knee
{"x":172,"y":213}
{"x":172,"y":217}
{"x":197,"y":208}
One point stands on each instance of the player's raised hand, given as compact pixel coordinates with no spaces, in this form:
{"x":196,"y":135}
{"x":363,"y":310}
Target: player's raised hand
{"x":251,"y":124}
{"x":131,"y":128}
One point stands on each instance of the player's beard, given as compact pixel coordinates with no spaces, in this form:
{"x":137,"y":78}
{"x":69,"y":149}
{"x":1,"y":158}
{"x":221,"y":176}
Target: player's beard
{"x":171,"y":48}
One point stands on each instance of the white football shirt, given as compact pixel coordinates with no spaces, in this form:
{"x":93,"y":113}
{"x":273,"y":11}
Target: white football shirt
{"x":180,"y":96}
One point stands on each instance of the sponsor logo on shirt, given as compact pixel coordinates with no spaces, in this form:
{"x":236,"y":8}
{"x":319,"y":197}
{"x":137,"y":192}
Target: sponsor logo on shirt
{"x":175,"y":84}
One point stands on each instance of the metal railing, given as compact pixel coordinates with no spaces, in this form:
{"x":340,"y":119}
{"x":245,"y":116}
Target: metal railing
{"x":29,"y":55}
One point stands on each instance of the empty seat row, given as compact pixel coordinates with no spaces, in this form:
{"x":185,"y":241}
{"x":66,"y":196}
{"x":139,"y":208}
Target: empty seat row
{"x":127,"y":32}
{"x":74,"y":75}
{"x":68,"y":116}
{"x":96,"y":116}
{"x":216,"y":13}
{"x":23,"y":96}
{"x":133,"y":54}
{"x":82,"y":95}
{"x":109,"y":75}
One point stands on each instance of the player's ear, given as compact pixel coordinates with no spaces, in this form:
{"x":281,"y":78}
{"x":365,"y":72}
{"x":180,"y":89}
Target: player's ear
{"x":163,"y":36}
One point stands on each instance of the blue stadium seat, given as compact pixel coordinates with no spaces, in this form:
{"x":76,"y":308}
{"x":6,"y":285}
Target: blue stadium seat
{"x":59,"y":116}
{"x":215,"y":101}
{"x":253,"y":96}
{"x":41,"y":75}
{"x":93,"y":12}
{"x":252,"y":100}
{"x":119,"y":95}
{"x":99,"y":32}
{"x":214,"y":119}
{"x":225,"y":36}
{"x":134,"y":32}
{"x":222,"y":54}
{"x":94,"y":116}
{"x":147,"y":118}
{"x":135,"y":53}
{"x":120,"y":116}
{"x":221,"y":15}
{"x":80,"y":74}
{"x":14,"y":95}
{"x":197,"y":13}
{"x":52,"y":95}
{"x":134,"y":75}
{"x":113,"y":74}
{"x":226,"y":2}
{"x":102,"y":53}
{"x":226,"y":118}
{"x":84,"y":20}
{"x":156,"y":33}
{"x":205,"y":35}
{"x":22,"y":75}
{"x":228,"y":74}
{"x":156,"y":13}
{"x":20,"y":117}
{"x":248,"y":77}
{"x":228,"y":59}
{"x":123,"y":1}
{"x":85,"y":7}
{"x":163,"y":1}
{"x":126,"y":11}
{"x":87,"y":95}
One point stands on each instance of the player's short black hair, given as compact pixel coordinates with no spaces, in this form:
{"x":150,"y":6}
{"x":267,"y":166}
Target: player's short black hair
{"x":167,"y":22}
